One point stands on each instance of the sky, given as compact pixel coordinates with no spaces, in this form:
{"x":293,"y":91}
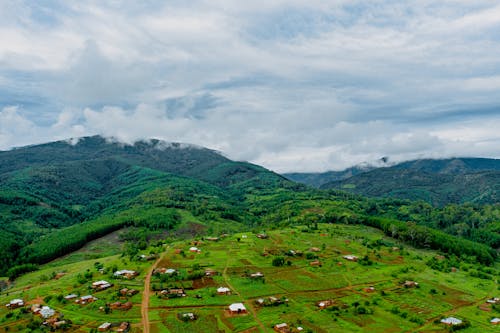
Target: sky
{"x":295,"y":85}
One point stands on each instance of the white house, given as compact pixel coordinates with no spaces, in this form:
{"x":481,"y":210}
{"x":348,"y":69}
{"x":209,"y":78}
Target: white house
{"x":237,"y":308}
{"x":15,"y":303}
{"x":223,"y":290}
{"x":47,"y":312}
{"x":451,"y":321}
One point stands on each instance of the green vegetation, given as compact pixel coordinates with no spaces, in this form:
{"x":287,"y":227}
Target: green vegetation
{"x":357,"y":297}
{"x":55,"y":198}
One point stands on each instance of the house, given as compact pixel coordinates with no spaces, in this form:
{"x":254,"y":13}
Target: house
{"x":173,"y":292}
{"x":451,"y":321}
{"x":121,"y":306}
{"x":257,"y":275}
{"x":187,"y":316}
{"x":283,"y":328}
{"x":123,"y":327}
{"x":70,"y":297}
{"x":86,"y":299}
{"x":59,"y":323}
{"x":495,"y":321}
{"x":223,"y":291}
{"x":262,"y":236}
{"x":237,"y":308}
{"x":101,"y":285}
{"x":210,"y":272}
{"x":15,"y":303}
{"x":144,"y":257}
{"x":163,"y":270}
{"x":125,"y":273}
{"x":315,"y":263}
{"x":194,"y":249}
{"x":350,"y":257}
{"x":46,"y":312}
{"x":270,"y":301}
{"x":494,"y":300}
{"x":104,"y":327}
{"x":35,"y":308}
{"x":128,"y":292}
{"x":212,"y":239}
{"x":325,"y":304}
{"x":410,"y":284}
{"x":314,"y":249}
{"x":369,"y":289}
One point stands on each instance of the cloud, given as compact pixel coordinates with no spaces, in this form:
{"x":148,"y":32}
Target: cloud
{"x":293,"y":85}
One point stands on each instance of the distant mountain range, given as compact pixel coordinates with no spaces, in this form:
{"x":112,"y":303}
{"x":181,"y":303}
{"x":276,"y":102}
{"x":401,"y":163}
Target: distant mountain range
{"x":437,"y":181}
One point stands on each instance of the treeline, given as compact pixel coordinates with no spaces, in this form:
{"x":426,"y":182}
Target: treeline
{"x":479,"y":223}
{"x":64,"y":241}
{"x":424,"y":237}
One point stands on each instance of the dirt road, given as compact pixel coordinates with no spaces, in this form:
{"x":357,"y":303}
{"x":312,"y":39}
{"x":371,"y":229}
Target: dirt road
{"x":146,"y":295}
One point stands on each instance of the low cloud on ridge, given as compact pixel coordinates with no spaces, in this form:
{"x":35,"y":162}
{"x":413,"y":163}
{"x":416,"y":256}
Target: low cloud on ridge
{"x":292,"y":85}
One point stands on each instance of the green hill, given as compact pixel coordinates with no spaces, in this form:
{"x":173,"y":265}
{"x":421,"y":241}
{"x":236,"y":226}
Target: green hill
{"x":51,"y":186}
{"x":439,"y":182}
{"x":57,"y":197}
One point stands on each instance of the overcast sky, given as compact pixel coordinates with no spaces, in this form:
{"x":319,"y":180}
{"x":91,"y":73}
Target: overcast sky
{"x":293,"y":85}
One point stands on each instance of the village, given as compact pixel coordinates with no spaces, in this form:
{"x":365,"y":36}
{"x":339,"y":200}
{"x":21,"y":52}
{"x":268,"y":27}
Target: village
{"x":278,"y":281}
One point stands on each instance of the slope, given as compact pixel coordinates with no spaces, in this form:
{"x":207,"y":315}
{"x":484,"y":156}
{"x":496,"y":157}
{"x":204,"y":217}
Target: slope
{"x":438,"y":182}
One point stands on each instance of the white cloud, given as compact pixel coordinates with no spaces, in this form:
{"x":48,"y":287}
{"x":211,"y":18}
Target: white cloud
{"x":294,"y":85}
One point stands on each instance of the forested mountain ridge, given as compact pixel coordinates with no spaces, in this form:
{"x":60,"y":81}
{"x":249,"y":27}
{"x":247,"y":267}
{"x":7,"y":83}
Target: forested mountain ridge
{"x":436,"y":181}
{"x":56,"y":197}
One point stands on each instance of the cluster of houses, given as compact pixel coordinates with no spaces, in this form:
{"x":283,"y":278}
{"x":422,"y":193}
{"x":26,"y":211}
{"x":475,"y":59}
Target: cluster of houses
{"x":51,"y":318}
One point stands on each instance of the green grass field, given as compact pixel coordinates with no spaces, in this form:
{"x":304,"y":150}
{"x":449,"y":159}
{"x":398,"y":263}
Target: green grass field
{"x":390,"y":307}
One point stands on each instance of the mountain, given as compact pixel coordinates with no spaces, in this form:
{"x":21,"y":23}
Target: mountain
{"x":319,"y":179}
{"x":95,"y":185}
{"x":57,"y":197}
{"x":439,"y":182}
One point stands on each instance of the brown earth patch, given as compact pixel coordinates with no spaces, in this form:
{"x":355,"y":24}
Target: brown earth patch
{"x":204,"y":282}
{"x":246,"y":262}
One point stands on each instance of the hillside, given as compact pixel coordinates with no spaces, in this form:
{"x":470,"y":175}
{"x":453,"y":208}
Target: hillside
{"x":57,"y":197}
{"x":439,"y":182}
{"x":300,"y":276}
{"x":321,"y":178}
{"x":47,"y":187}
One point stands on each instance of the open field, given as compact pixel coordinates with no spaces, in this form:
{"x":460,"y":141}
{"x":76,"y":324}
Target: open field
{"x":385,"y":266}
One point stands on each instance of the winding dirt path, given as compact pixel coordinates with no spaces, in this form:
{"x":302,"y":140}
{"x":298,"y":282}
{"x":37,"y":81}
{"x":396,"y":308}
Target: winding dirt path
{"x":146,"y":295}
